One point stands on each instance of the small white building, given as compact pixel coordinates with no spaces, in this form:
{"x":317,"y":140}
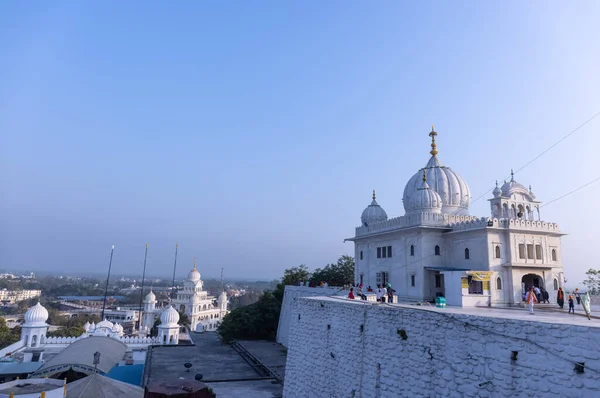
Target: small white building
{"x":204,"y":312}
{"x":438,"y":249}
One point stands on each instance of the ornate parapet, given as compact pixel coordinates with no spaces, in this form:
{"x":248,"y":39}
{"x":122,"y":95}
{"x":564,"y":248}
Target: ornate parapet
{"x":413,"y":220}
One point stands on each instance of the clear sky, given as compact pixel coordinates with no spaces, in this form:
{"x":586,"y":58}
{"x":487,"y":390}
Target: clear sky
{"x":252,"y":133}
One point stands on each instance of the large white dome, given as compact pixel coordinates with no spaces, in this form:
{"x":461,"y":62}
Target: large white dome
{"x":373,"y":213}
{"x":36,"y":315}
{"x":452,"y":188}
{"x":169,"y":317}
{"x":424,"y":199}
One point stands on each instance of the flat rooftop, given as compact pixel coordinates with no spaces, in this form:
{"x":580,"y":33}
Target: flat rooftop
{"x":543,"y":313}
{"x":29,"y":388}
{"x":223,"y":368}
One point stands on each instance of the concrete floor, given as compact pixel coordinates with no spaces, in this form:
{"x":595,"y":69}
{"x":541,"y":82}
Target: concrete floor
{"x":223,"y":369}
{"x":547,"y":313}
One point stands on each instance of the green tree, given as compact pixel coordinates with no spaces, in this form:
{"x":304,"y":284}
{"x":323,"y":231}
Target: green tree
{"x":7,"y":337}
{"x":72,"y":331}
{"x":183,"y":318}
{"x":292,"y":276}
{"x":256,"y":321}
{"x":339,"y":274}
{"x":592,"y":282}
{"x":154,"y":328}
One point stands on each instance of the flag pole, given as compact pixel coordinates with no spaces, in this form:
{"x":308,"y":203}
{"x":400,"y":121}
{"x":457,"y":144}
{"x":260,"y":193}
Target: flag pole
{"x":142,"y":292}
{"x":174,"y":268}
{"x":107,"y":278}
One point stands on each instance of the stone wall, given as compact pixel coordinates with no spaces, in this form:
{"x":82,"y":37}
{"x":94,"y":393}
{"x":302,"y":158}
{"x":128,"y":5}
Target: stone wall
{"x":288,"y":307}
{"x":344,"y":348}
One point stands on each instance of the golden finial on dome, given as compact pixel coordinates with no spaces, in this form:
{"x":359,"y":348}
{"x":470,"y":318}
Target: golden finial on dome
{"x":434,"y":150}
{"x":373,"y":194}
{"x":424,"y":175}
{"x":194,"y":262}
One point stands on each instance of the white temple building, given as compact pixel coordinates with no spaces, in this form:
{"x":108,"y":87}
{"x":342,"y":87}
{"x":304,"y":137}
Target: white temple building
{"x":204,"y":312}
{"x":438,"y":249}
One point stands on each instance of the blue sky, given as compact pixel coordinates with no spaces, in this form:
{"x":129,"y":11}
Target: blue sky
{"x":252,"y":133}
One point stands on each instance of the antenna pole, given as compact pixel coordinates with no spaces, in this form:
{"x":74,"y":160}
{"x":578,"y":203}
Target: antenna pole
{"x":107,"y":278}
{"x":142,"y":293}
{"x":222,"y":286}
{"x":174,"y":268}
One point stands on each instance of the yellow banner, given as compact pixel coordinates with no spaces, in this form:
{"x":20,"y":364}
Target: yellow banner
{"x":486,"y":285}
{"x":482,"y":276}
{"x":465,"y":283}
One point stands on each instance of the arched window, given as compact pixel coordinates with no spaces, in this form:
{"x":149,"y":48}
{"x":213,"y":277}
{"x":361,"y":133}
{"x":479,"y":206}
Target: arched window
{"x":467,"y":253}
{"x":555,"y":284}
{"x":437,"y":250}
{"x":498,"y":283}
{"x":412,"y":250}
{"x":497,"y":251}
{"x":361,"y":255}
{"x":553,"y":254}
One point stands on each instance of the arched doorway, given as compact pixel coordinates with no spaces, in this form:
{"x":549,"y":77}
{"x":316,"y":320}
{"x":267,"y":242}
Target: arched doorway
{"x":532,"y":280}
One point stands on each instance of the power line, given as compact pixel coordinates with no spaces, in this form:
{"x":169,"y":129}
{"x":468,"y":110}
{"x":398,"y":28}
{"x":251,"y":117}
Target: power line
{"x":544,"y":152}
{"x":569,"y":193}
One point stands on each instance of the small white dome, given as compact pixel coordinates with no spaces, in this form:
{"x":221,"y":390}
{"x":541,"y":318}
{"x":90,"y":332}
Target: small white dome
{"x":512,"y":187}
{"x":105,"y":324}
{"x":373,"y":213}
{"x":150,"y":297}
{"x":497,"y":192}
{"x":194,"y":275}
{"x":424,"y":199}
{"x":86,"y":326}
{"x":169,"y":317}
{"x":36,"y":315}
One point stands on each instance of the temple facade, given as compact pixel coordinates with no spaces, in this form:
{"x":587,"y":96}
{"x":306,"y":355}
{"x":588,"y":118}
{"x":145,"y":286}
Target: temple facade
{"x":437,"y":249}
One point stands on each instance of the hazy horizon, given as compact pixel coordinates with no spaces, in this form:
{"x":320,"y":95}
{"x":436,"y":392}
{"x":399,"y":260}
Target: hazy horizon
{"x":252,"y":134}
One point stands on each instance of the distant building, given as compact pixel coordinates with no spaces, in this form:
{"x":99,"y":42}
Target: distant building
{"x":204,"y":312}
{"x":14,"y":296}
{"x":438,"y":249}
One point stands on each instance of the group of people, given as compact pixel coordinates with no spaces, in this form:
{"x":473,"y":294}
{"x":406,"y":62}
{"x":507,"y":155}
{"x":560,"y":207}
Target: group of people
{"x":381,"y":293}
{"x":535,"y":294}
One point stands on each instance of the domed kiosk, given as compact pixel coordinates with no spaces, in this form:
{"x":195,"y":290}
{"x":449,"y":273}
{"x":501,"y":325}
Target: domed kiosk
{"x":168,"y":330}
{"x":34,"y":330}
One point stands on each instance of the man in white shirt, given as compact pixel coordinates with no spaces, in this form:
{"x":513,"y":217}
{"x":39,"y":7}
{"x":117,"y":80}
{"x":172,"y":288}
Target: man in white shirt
{"x":537,"y":293}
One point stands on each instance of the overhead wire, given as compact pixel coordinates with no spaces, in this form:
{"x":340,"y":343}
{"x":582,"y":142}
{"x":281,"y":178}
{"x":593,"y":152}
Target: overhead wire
{"x":543,"y":152}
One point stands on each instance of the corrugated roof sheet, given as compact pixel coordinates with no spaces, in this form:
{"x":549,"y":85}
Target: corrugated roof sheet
{"x":96,"y":386}
{"x":81,"y":355}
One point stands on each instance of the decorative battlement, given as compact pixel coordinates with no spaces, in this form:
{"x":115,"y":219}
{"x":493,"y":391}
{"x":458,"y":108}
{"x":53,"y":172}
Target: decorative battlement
{"x":424,"y":218}
{"x":541,"y":226}
{"x":456,"y":222}
{"x":126,"y":340}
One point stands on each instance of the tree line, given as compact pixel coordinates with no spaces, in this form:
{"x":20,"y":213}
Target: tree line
{"x":260,"y":320}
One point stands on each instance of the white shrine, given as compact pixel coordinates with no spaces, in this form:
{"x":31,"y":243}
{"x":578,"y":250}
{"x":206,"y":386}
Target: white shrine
{"x":438,"y":249}
{"x":204,"y":312}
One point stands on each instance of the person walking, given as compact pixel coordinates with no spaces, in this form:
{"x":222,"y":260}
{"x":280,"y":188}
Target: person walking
{"x":577,"y":296}
{"x":560,"y":298}
{"x":546,"y":296}
{"x":571,"y":304}
{"x":531,"y":298}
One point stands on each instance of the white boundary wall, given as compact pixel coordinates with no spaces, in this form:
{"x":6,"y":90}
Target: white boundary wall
{"x":288,"y":306}
{"x":346,"y":348}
